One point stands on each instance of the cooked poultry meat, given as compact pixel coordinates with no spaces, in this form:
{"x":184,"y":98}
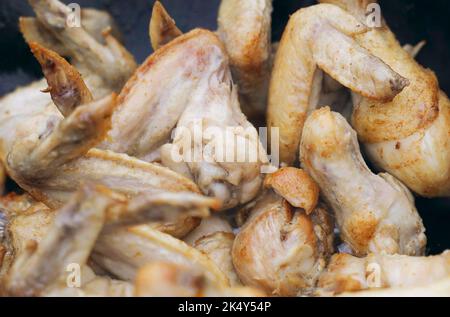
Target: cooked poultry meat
{"x":161,"y":279}
{"x":217,"y":246}
{"x":122,"y":251}
{"x":407,"y":137}
{"x":375,"y":213}
{"x":3,"y":177}
{"x":162,"y":28}
{"x":346,"y":273}
{"x":208,"y":226}
{"x":280,"y":249}
{"x":321,"y":38}
{"x":95,"y":22}
{"x":437,"y":289}
{"x":288,"y":182}
{"x":110,"y":60}
{"x":69,"y":240}
{"x":159,"y":110}
{"x":121,"y":189}
{"x":245,"y":29}
{"x":22,"y":220}
{"x":50,"y":156}
{"x":65,"y":83}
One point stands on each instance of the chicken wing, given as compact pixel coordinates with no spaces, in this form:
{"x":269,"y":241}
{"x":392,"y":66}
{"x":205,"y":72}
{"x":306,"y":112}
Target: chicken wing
{"x":245,"y":29}
{"x":122,"y":251}
{"x":162,"y":28}
{"x":69,"y":240}
{"x":346,"y":273}
{"x":407,"y":137}
{"x":321,"y":37}
{"x":111,"y":60}
{"x":161,"y":279}
{"x":217,"y":246}
{"x":375,"y":213}
{"x":158,"y":110}
{"x":280,"y":249}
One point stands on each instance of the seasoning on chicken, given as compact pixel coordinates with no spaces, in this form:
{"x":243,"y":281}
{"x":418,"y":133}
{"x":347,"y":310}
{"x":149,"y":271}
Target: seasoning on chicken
{"x":321,"y":38}
{"x":407,"y":137}
{"x":282,"y":250}
{"x":346,"y":273}
{"x":375,"y":213}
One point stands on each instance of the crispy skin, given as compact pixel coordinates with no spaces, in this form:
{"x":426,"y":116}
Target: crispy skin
{"x":162,"y":28}
{"x":346,"y":273}
{"x":158,"y":110}
{"x":245,"y":29}
{"x":296,"y":186}
{"x":39,"y":156}
{"x":321,"y":37}
{"x":163,"y":279}
{"x":65,"y":83}
{"x":375,"y":213}
{"x":407,"y":137}
{"x":282,"y":250}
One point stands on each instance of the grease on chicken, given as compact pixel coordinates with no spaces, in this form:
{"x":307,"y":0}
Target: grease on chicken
{"x":321,"y":37}
{"x":346,"y":273}
{"x":375,"y":213}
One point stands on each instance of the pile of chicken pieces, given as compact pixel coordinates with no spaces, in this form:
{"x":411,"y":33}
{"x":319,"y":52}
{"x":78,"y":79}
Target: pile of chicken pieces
{"x":91,"y":147}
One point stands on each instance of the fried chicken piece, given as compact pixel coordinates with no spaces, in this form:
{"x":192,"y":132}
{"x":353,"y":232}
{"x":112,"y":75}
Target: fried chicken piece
{"x":122,"y":251}
{"x":282,"y":250}
{"x":65,"y":83}
{"x":296,"y":186}
{"x":321,"y":37}
{"x":245,"y":29}
{"x":162,"y":28}
{"x":162,"y":279}
{"x":375,"y":213}
{"x":50,"y":156}
{"x":3,"y":178}
{"x":437,"y":289}
{"x":407,"y":137}
{"x":110,"y":60}
{"x":346,"y":273}
{"x":208,"y":226}
{"x":69,"y":240}
{"x":217,"y":246}
{"x":94,"y":21}
{"x":158,"y":110}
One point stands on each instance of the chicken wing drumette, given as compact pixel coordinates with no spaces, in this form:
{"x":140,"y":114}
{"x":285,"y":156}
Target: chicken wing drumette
{"x":375,"y":213}
{"x":318,"y":39}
